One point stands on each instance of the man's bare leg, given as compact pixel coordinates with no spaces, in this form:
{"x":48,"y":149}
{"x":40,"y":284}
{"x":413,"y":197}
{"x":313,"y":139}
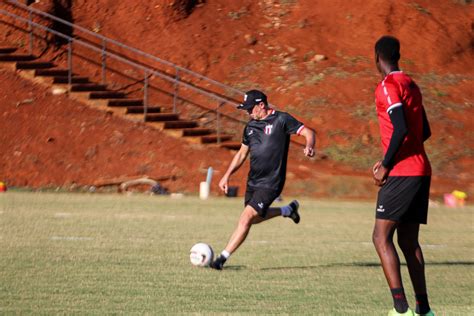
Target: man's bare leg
{"x":248,"y":218}
{"x":408,"y":242}
{"x":383,"y":241}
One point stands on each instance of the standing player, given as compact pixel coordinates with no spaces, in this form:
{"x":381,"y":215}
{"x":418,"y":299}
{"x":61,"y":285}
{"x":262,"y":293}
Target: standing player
{"x":266,"y":138}
{"x":404,"y":176}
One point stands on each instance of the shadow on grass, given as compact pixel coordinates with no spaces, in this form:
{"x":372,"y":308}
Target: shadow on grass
{"x":235,"y":268}
{"x":369,"y":265}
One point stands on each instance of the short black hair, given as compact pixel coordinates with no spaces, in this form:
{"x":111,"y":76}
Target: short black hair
{"x":388,"y":48}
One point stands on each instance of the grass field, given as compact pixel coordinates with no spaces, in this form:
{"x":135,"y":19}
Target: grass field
{"x":112,"y":254}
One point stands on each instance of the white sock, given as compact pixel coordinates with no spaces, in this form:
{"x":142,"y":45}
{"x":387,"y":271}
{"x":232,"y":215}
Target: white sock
{"x":225,"y":254}
{"x":286,"y":210}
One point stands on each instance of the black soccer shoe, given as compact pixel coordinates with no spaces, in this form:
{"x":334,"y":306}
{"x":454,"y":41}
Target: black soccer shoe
{"x":218,"y":264}
{"x":294,"y":215}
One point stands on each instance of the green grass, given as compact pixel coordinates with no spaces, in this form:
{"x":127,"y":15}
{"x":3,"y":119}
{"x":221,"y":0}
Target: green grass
{"x":111,"y":254}
{"x":358,"y":154}
{"x":420,"y":8}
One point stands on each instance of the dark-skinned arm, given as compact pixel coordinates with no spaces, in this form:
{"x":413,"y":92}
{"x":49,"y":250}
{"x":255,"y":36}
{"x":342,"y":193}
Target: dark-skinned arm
{"x":426,"y":126}
{"x":381,"y":168}
{"x":400,"y":130}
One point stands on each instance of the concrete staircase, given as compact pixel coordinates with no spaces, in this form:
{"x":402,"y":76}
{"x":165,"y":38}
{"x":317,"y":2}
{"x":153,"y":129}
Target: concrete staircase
{"x":100,"y":96}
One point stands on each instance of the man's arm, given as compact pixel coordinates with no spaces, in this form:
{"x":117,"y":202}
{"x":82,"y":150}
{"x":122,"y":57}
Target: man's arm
{"x":426,"y":126}
{"x":235,"y":164}
{"x":400,"y":130}
{"x":310,"y":136}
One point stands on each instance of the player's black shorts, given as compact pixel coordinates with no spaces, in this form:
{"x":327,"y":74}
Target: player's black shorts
{"x":404,"y":199}
{"x":260,"y":199}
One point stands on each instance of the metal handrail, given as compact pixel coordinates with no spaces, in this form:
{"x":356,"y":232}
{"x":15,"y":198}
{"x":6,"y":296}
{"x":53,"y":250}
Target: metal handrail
{"x":147,"y":70}
{"x":176,"y":80}
{"x":132,"y":49}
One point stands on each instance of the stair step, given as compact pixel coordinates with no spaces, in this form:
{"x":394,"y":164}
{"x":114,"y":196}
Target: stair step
{"x":88,"y":87}
{"x":231,"y":145}
{"x":106,"y":95}
{"x":160,"y":117}
{"x":179,"y":124}
{"x":168,"y":121}
{"x":125,"y":102}
{"x":7,"y":50}
{"x":198,"y":131}
{"x":34,"y":65}
{"x":65,"y":79}
{"x":141,"y":109}
{"x":207,"y":139}
{"x":51,"y":72}
{"x":8,"y":57}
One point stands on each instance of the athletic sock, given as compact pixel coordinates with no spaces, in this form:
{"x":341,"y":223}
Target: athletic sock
{"x":225,"y":254}
{"x":422,"y":305}
{"x":286,"y":210}
{"x":399,"y":300}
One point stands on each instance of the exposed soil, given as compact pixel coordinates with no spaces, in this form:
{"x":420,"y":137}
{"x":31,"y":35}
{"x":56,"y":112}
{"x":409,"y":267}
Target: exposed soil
{"x":52,"y":141}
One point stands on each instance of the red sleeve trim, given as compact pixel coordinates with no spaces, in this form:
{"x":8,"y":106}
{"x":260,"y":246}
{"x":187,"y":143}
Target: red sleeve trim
{"x":298,"y":132}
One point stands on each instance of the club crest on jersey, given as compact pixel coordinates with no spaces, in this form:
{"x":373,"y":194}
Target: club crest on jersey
{"x":268,"y":129}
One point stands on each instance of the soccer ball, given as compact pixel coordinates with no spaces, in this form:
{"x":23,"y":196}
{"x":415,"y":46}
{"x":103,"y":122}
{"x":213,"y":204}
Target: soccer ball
{"x":201,"y":255}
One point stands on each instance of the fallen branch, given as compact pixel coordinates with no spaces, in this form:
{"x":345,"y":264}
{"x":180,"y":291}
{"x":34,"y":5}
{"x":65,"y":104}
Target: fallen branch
{"x":119,"y":181}
{"x":124,"y":186}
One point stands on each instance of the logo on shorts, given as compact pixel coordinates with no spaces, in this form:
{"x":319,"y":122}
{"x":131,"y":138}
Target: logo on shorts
{"x":380,"y":209}
{"x":260,"y":205}
{"x":268,"y":129}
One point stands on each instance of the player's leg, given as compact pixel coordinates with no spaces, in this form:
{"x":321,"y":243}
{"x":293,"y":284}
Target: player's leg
{"x":271,"y":213}
{"x":383,"y":241}
{"x":257,"y":209}
{"x":382,"y":238}
{"x":408,"y":242}
{"x":393,"y":202}
{"x":248,"y":216}
{"x":290,"y":210}
{"x":408,"y":235}
{"x":262,"y":199}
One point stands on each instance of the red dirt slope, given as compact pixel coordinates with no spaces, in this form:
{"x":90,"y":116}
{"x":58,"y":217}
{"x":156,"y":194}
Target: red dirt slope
{"x":50,"y":141}
{"x":335,"y":95}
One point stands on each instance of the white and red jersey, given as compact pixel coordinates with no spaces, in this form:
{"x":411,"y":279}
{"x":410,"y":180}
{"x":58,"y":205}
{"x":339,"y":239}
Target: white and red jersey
{"x":398,"y":89}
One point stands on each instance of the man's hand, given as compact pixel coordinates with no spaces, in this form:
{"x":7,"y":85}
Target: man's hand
{"x":379,"y":173}
{"x":310,"y":137}
{"x":308,"y":152}
{"x":224,"y":184}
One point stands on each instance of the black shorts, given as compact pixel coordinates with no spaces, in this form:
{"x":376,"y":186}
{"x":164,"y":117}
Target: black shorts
{"x":404,"y":199}
{"x":260,"y":199}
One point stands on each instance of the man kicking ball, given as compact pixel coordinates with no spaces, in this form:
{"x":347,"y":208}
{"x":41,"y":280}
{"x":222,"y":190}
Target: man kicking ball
{"x":266,"y":138}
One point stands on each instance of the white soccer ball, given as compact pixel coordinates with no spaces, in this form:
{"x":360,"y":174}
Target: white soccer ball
{"x":201,"y":255}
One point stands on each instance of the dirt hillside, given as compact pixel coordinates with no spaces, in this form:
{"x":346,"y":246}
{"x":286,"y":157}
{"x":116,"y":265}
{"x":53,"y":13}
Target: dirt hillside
{"x":271,"y":45}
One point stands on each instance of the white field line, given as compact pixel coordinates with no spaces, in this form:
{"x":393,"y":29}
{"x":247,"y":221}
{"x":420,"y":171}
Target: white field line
{"x":369,"y":244}
{"x":70,"y":238}
{"x":62,"y":215}
{"x":433,"y":246}
{"x":260,"y":242}
{"x":149,"y":216}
